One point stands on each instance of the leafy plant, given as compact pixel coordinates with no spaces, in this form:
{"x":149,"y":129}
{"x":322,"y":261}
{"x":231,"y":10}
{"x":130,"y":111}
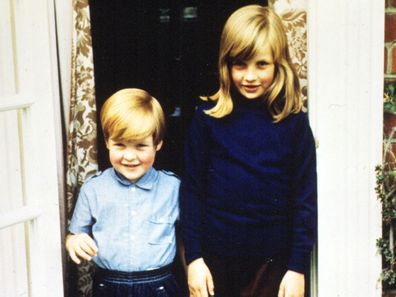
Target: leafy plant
{"x":390,"y":98}
{"x":386,"y":194}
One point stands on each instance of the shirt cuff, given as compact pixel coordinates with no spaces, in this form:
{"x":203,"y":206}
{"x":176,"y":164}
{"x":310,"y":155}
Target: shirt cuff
{"x":299,"y":262}
{"x":192,"y":254}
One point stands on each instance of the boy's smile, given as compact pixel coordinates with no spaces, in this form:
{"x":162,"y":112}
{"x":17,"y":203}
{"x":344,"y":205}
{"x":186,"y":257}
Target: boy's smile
{"x":133,"y":158}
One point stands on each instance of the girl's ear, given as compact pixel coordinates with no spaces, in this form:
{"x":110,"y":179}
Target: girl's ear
{"x":159,"y":145}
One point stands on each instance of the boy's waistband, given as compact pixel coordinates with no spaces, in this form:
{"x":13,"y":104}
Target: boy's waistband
{"x":134,"y":275}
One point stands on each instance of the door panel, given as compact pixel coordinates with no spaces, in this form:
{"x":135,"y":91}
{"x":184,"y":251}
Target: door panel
{"x":30,"y":242}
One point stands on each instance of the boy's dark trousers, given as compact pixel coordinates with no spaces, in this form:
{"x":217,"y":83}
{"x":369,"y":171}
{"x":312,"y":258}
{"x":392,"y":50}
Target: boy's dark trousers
{"x":246,"y":277}
{"x":154,"y":283}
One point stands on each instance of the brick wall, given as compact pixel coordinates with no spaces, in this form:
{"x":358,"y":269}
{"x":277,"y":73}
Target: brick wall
{"x":390,"y":40}
{"x":390,"y":75}
{"x":390,"y":64}
{"x":390,"y":61}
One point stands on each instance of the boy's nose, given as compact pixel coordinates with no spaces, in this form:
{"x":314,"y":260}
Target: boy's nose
{"x":129,"y":155}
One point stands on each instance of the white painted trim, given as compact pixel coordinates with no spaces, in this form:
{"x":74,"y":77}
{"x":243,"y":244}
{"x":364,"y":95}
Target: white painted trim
{"x":64,"y":25}
{"x":345,"y":54}
{"x":7,"y":46}
{"x":37,"y":76}
{"x":14,"y":103}
{"x":20,"y":215}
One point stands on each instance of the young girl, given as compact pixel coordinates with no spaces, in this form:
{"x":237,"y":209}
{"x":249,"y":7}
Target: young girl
{"x":248,"y":194}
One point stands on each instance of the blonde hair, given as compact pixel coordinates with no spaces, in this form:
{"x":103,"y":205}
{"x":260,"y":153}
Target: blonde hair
{"x":132,"y":114}
{"x":246,"y":31}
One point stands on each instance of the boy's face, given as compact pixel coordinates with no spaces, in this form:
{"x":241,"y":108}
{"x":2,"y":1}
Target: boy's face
{"x":132,"y":158}
{"x":253,"y":77}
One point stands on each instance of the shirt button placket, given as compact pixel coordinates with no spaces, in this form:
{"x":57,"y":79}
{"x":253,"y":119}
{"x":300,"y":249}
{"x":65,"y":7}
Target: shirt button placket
{"x":132,"y":203}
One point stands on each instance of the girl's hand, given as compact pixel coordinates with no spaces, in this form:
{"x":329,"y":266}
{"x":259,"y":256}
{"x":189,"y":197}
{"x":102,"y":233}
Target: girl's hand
{"x":81,"y":246}
{"x":200,"y":282}
{"x":292,"y":285}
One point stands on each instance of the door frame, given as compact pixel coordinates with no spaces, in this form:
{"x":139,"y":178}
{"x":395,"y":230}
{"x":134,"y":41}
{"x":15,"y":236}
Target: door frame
{"x":30,"y":93}
{"x":345,"y":79}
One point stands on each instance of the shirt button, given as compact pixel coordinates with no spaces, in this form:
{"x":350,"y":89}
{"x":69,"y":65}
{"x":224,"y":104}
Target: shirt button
{"x":133,"y":212}
{"x":133,"y":189}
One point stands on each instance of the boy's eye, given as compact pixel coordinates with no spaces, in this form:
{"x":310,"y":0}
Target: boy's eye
{"x":142,"y":145}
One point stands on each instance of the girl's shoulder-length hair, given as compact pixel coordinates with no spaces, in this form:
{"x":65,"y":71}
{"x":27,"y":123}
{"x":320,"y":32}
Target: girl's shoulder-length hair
{"x":246,"y":31}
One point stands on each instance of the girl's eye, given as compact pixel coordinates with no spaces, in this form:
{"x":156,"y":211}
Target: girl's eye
{"x":119,"y":144}
{"x":262,"y":64}
{"x":238,"y":64}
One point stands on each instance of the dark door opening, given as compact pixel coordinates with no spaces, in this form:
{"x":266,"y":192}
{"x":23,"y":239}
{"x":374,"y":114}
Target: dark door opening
{"x":168,"y":48}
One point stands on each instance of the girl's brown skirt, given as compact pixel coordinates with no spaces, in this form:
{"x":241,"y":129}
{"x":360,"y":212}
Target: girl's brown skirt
{"x":246,"y":277}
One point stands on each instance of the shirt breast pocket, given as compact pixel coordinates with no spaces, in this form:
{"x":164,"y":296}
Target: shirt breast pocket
{"x":161,"y":230}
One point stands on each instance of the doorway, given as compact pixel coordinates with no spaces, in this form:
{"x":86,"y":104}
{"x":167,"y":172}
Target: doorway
{"x":168,"y":48}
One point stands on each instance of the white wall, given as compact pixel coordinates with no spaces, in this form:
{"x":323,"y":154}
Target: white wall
{"x":345,"y":95}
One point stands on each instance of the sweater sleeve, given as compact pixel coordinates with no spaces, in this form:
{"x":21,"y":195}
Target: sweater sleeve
{"x":304,"y":197}
{"x":193,"y":185}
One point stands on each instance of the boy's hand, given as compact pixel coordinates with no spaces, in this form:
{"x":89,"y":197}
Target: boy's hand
{"x":200,"y":282}
{"x":292,"y":285}
{"x":81,"y":246}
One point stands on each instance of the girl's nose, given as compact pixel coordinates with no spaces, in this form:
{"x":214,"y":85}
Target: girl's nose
{"x":250,"y":74}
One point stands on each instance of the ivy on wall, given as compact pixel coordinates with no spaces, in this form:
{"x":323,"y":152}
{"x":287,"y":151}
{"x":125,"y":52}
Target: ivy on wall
{"x":386,"y":190}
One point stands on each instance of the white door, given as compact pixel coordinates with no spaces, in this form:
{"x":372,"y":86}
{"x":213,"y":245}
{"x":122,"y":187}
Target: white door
{"x":30,"y":240}
{"x":346,"y":47}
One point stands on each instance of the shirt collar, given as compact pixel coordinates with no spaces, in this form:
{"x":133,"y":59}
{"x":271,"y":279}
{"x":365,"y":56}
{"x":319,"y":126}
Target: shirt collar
{"x":145,"y":182}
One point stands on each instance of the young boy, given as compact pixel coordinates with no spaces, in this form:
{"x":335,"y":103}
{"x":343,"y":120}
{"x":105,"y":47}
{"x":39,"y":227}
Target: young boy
{"x":124,"y":219}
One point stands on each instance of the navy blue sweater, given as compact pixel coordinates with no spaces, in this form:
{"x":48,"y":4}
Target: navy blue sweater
{"x":249,"y":186}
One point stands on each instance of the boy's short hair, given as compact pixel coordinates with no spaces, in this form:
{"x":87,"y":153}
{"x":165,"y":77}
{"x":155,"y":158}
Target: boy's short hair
{"x":132,"y":114}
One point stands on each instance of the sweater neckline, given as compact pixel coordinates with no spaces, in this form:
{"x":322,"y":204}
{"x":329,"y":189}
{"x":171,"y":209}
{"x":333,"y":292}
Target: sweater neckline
{"x":241,"y":102}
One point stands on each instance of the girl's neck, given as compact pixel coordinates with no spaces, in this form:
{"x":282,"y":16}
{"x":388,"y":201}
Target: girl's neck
{"x":241,"y":101}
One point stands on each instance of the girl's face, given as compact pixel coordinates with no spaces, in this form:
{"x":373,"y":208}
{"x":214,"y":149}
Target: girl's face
{"x":132,"y":158}
{"x":253,"y":77}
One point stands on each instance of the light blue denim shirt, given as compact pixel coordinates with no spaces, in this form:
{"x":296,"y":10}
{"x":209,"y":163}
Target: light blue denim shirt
{"x":133,"y":225}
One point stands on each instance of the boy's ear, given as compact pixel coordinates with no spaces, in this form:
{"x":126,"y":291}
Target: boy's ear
{"x":159,"y":145}
{"x":107,"y":143}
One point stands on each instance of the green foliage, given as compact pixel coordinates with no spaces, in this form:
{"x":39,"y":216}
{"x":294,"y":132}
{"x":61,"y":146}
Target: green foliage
{"x":388,"y":274}
{"x":386,"y":193}
{"x":390,"y":98}
{"x":386,"y":190}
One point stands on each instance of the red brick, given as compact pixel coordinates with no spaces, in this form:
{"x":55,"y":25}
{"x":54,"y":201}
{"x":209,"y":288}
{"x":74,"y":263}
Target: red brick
{"x":388,"y":81}
{"x":390,"y":27}
{"x":393,"y":3}
{"x":393,"y":60}
{"x":386,"y":60}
